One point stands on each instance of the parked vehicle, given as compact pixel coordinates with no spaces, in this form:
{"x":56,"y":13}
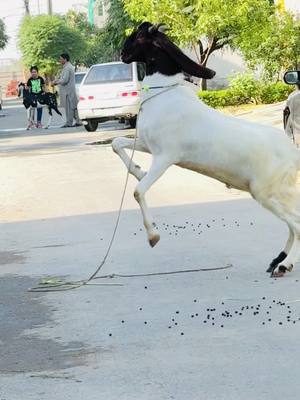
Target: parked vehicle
{"x":78,"y":79}
{"x":291,"y":112}
{"x":110,"y":91}
{"x":0,"y":98}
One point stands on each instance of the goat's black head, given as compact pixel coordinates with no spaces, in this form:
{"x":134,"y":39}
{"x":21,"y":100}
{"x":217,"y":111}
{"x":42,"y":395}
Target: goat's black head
{"x":21,"y":88}
{"x":150,"y":45}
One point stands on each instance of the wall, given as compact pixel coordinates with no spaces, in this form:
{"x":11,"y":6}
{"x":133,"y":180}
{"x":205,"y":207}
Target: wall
{"x":10,"y":69}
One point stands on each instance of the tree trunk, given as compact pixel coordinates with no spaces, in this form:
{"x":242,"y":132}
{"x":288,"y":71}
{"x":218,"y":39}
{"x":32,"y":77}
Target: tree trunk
{"x":26,"y":5}
{"x":203,"y":84}
{"x":204,"y":81}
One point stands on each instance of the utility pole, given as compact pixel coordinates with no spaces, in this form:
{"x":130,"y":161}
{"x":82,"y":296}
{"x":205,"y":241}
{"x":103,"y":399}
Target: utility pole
{"x":49,"y":7}
{"x":26,"y":5}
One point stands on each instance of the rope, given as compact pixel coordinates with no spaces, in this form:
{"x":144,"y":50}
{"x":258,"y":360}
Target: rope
{"x":56,"y":285}
{"x":49,"y":286}
{"x":181,"y":271}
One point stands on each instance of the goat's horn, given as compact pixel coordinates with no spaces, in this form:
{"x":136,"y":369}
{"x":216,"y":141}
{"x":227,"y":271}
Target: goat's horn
{"x":162,"y":28}
{"x":158,"y":27}
{"x":152,"y":28}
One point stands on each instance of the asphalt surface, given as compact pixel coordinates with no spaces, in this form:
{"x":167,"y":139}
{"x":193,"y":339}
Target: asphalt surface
{"x":180,"y":334}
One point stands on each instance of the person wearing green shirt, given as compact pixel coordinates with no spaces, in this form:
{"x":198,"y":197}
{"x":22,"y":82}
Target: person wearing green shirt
{"x":36,"y":85}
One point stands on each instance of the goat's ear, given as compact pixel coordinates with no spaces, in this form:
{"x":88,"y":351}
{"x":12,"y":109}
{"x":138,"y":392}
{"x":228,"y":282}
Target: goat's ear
{"x":187,"y":65}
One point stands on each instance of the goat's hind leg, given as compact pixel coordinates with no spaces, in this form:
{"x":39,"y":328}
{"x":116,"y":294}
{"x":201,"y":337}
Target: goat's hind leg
{"x":158,"y":167}
{"x":292,"y":218}
{"x":282,"y":255}
{"x":119,"y":145}
{"x":49,"y":119}
{"x":30,"y":118}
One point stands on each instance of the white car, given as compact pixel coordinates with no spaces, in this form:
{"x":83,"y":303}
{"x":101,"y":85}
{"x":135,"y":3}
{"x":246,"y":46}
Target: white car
{"x":291,"y":112}
{"x":0,"y":98}
{"x":110,"y":91}
{"x":78,"y":79}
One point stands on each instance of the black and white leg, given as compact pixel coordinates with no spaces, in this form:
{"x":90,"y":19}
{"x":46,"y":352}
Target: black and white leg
{"x":282,"y":256}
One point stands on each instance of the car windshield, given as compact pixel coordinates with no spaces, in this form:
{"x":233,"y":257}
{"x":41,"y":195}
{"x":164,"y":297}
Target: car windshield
{"x":109,"y":73}
{"x":79,"y":77}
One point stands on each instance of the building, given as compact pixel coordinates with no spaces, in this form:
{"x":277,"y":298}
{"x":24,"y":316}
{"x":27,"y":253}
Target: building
{"x":293,"y":5}
{"x":98,"y":12}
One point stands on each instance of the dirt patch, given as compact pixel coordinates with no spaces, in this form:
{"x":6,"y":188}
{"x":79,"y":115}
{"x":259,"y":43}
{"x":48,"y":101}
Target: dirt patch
{"x":107,"y":141}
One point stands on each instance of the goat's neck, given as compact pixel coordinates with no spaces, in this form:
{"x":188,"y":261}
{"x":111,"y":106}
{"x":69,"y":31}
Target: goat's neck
{"x":158,"y":79}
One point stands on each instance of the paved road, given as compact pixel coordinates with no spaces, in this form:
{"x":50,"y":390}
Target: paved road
{"x":227,"y":334}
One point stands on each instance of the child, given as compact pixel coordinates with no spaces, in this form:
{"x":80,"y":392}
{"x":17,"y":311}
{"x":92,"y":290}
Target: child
{"x":36,"y":85}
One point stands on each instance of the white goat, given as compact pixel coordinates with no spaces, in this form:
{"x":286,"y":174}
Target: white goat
{"x":177,"y":128}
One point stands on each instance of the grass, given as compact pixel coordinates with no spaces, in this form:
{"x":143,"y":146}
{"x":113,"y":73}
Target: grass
{"x":243,"y":108}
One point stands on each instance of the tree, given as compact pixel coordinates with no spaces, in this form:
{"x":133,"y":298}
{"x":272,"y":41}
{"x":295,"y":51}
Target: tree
{"x":91,"y":35}
{"x":43,"y":38}
{"x":102,"y":45}
{"x":117,"y":26}
{"x":3,"y":36}
{"x":79,"y":21}
{"x":275,"y":48}
{"x":204,"y":25}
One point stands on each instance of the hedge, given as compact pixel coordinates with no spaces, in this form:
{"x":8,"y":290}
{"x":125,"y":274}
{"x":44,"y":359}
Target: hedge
{"x":246,"y":90}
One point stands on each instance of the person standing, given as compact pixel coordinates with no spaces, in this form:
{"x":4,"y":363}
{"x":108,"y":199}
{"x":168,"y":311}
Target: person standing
{"x":67,"y":91}
{"x":36,"y":86}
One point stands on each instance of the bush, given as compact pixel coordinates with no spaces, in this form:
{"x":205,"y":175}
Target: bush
{"x":245,"y":89}
{"x":216,"y":98}
{"x":274,"y":92}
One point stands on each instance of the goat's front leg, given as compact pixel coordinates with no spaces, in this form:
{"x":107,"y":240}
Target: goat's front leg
{"x":50,"y":118}
{"x":158,"y":167}
{"x":119,"y":145}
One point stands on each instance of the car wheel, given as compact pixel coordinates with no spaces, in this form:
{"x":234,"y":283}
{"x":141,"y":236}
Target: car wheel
{"x":91,"y":125}
{"x":132,"y":122}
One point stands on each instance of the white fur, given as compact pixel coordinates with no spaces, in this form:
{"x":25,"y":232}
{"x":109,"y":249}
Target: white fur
{"x":177,"y":128}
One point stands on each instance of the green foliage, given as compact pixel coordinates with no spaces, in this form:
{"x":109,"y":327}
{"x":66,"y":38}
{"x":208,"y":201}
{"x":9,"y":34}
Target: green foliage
{"x":274,"y":92}
{"x":275,"y":47}
{"x":91,"y":35}
{"x":117,"y":24}
{"x":217,"y":98}
{"x":101,"y":45}
{"x":194,"y":22}
{"x":79,"y":21}
{"x":3,"y":36}
{"x":245,"y":89}
{"x":43,"y":38}
{"x":265,"y":35}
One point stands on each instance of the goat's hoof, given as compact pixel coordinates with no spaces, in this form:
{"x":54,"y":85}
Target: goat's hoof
{"x":276,"y":261}
{"x":271,"y":268}
{"x":154,"y":239}
{"x":290,"y":268}
{"x":281,"y":271}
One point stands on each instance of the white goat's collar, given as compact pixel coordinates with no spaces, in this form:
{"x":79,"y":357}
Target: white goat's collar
{"x":146,"y":88}
{"x":166,"y":88}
